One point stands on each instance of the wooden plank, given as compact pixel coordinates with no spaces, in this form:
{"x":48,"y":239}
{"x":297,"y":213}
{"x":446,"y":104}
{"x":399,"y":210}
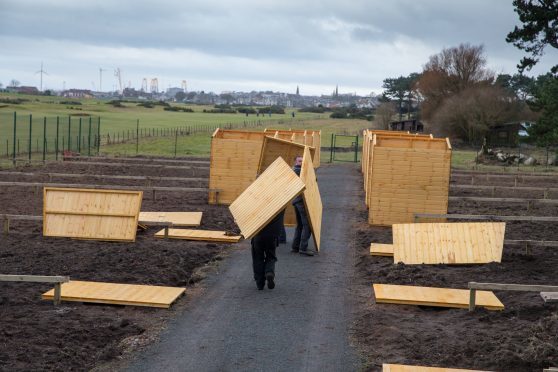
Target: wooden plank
{"x":117,"y":294}
{"x":105,"y":176}
{"x":378,"y":249}
{"x":100,"y":164}
{"x":183,"y":219}
{"x":205,"y":235}
{"x":550,"y":297}
{"x":410,"y":368}
{"x":513,"y":287}
{"x":102,"y":187}
{"x":91,"y":214}
{"x":265,"y":198}
{"x":431,"y":296}
{"x":419,"y":216}
{"x":448,"y":243}
{"x":311,"y":196}
{"x":34,"y":278}
{"x":502,"y":200}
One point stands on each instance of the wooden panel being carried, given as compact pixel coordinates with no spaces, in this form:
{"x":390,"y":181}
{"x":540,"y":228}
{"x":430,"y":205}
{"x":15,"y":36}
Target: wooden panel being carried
{"x":448,"y":243}
{"x":306,"y":137}
{"x":117,"y":294}
{"x":265,"y":198}
{"x":378,"y":249}
{"x":406,"y":175}
{"x":430,"y":296}
{"x":90,"y":213}
{"x":234,"y":163}
{"x":176,"y":218}
{"x":205,"y":235}
{"x":311,"y":197}
{"x":274,"y":148}
{"x":407,"y":368}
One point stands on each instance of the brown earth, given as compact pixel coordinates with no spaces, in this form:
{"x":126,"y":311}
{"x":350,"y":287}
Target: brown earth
{"x":35,"y":335}
{"x":523,"y":337}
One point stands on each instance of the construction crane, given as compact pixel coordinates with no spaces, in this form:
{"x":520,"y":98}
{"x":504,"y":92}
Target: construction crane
{"x":144,"y":85}
{"x":154,"y":85}
{"x":118,"y":74}
{"x":101,"y":78}
{"x":184,"y":86}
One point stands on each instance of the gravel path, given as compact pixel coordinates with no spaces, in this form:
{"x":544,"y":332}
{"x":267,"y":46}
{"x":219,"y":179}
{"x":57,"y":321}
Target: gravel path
{"x":301,"y":325}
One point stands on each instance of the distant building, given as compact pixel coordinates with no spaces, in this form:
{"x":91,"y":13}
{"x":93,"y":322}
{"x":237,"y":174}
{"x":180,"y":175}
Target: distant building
{"x":507,"y":135}
{"x":411,"y":125}
{"x":77,"y":93}
{"x":23,"y":90}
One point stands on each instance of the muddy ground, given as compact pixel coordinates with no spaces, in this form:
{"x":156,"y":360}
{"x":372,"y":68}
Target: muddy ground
{"x":523,"y":337}
{"x":34,"y":334}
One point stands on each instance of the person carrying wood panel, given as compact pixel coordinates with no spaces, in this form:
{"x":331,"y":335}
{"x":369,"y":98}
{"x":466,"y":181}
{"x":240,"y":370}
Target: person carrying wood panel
{"x":264,"y":244}
{"x":302,"y":231}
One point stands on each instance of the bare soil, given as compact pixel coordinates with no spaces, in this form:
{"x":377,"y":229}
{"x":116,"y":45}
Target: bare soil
{"x":35,"y":335}
{"x":523,"y":337}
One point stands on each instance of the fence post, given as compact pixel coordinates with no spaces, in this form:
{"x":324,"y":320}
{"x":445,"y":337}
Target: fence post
{"x":98,"y":135}
{"x":30,"y":132}
{"x":356,"y":149}
{"x":44,"y":139}
{"x":69,"y":132}
{"x":175,"y":142}
{"x":89,"y":138}
{"x":79,"y":136}
{"x":331,"y":148}
{"x":14,"y":144}
{"x":57,"y":132}
{"x":137,"y":136}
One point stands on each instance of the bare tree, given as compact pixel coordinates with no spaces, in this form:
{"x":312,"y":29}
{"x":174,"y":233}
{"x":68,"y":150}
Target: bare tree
{"x":14,"y":83}
{"x":384,"y":114}
{"x":450,"y":72}
{"x":470,"y":114}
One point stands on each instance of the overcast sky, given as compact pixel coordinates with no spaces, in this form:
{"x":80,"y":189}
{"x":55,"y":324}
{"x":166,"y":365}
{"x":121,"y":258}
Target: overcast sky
{"x":218,"y":45}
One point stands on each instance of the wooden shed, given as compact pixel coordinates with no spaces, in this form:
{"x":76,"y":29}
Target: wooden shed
{"x":234,"y":161}
{"x":274,"y":148}
{"x":406,"y":174}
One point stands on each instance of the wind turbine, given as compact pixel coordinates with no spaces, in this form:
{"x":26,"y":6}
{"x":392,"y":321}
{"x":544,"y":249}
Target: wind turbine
{"x":101,"y":78}
{"x":41,"y":71}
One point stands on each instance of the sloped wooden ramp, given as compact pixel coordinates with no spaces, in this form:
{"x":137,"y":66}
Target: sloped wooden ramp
{"x":448,"y":243}
{"x":91,"y":213}
{"x":117,"y":294}
{"x":205,"y":235}
{"x":184,"y":219}
{"x":431,"y":296}
{"x":407,"y":368}
{"x":379,"y":249}
{"x":268,"y":195}
{"x":311,"y":197}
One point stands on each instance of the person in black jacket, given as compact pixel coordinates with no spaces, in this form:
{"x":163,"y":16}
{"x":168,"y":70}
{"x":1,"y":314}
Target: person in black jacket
{"x":302,"y":232}
{"x":264,"y":244}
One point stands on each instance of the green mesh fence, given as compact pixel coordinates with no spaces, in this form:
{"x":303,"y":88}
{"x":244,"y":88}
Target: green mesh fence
{"x":27,"y":136}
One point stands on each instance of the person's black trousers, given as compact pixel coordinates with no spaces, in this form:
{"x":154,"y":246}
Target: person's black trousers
{"x":263,"y":256}
{"x":302,"y":232}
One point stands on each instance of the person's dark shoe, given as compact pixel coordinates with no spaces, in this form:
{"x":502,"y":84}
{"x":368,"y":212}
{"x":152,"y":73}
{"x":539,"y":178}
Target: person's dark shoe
{"x":294,"y":250}
{"x":270,"y":280}
{"x":306,"y":252}
{"x":260,"y":285}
